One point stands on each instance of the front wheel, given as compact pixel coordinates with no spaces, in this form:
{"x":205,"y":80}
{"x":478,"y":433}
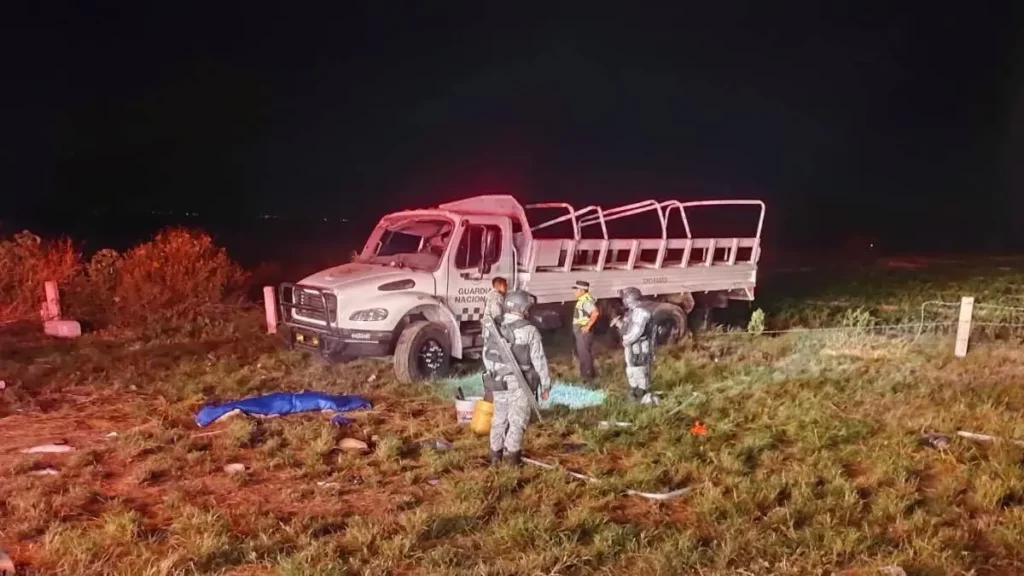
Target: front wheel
{"x":423,"y":352}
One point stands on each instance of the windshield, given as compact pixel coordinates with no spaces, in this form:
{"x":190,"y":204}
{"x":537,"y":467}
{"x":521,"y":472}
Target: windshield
{"x":413,"y":243}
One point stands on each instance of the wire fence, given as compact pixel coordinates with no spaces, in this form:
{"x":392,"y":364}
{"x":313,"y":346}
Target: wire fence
{"x":932,"y":317}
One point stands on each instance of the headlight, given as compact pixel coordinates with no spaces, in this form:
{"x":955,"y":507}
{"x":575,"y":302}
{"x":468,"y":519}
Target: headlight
{"x":397,"y":285}
{"x":371,"y":315}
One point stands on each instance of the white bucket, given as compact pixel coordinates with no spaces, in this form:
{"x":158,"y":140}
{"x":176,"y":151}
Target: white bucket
{"x":464,"y":408}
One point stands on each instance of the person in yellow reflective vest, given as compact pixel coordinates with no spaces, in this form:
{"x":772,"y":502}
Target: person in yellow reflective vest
{"x":584,"y":317}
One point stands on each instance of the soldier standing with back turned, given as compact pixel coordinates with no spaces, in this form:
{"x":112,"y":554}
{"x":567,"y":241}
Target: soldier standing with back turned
{"x":512,"y":403}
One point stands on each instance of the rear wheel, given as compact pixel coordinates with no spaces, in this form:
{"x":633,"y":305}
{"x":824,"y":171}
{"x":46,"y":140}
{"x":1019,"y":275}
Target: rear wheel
{"x":546,"y":319}
{"x":423,"y":352}
{"x":669,"y":324}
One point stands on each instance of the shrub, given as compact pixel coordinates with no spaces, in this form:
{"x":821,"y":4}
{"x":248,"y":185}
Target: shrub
{"x":176,"y":278}
{"x":90,"y":296}
{"x":26,"y":262}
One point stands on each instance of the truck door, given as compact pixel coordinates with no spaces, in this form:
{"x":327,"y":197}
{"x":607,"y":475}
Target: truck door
{"x":480,"y":252}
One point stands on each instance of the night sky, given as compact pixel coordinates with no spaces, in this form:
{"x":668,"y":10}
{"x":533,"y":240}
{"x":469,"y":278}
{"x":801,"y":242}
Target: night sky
{"x":901,"y":120}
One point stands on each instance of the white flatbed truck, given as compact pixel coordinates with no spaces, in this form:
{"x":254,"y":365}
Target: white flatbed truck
{"x":416,"y":291}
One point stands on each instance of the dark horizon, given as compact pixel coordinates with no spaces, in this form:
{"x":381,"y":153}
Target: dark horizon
{"x":890,"y":121}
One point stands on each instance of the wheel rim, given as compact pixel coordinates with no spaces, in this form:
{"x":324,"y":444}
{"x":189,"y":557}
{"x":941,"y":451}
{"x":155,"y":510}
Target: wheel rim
{"x":431,"y":357}
{"x":663,"y":332}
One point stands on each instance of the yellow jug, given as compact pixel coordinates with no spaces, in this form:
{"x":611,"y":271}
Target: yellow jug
{"x":482,"y":413}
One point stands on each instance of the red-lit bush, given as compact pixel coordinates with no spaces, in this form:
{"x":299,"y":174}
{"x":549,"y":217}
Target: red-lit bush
{"x":178,"y":279}
{"x":26,"y":262}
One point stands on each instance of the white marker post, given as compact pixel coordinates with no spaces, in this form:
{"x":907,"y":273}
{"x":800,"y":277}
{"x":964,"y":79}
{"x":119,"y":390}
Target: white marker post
{"x":52,"y":308}
{"x":53,"y":325}
{"x":270,"y":308}
{"x":963,"y":329}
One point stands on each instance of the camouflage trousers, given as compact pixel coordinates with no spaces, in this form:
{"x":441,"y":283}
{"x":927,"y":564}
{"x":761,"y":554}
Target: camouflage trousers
{"x":638,"y":377}
{"x":511,"y":416}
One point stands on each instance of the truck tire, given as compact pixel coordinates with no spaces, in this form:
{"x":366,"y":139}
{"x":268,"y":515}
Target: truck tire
{"x":608,"y":309}
{"x":423,"y":352}
{"x":669,"y":324}
{"x":699,"y":319}
{"x":546,"y":319}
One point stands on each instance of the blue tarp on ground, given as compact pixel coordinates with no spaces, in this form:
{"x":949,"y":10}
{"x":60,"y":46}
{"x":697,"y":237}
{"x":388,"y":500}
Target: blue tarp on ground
{"x":281,"y":403}
{"x":562,"y":393}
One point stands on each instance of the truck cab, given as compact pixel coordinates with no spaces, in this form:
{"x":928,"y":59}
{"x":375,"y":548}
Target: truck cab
{"x":416,"y":291}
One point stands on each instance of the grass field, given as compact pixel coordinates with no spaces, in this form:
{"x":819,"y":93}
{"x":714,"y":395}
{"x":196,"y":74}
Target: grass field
{"x":813,"y":461}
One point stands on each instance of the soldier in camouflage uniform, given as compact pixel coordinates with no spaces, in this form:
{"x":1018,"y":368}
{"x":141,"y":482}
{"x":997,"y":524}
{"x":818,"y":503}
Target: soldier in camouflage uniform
{"x":512,"y":405}
{"x":494,"y":311}
{"x":638,"y":345}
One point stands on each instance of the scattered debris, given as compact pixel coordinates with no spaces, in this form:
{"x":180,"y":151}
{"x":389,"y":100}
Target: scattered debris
{"x":341,"y":420}
{"x":437,"y":444}
{"x":44,"y":472}
{"x":433,"y":481}
{"x":892,"y":571}
{"x":649,"y":495}
{"x":6,"y":564}
{"x":660,"y":496}
{"x":328,"y":484}
{"x":939,"y":441}
{"x":372,"y":378}
{"x":686,"y":403}
{"x":650,"y":399}
{"x":54,"y":448}
{"x":986,"y":438}
{"x":111,"y":435}
{"x":698,"y":428}
{"x":605,"y":424}
{"x":235,"y":468}
{"x":353,"y":445}
{"x":3,"y":385}
{"x":563,"y":393}
{"x":574,"y":397}
{"x":355,"y":480}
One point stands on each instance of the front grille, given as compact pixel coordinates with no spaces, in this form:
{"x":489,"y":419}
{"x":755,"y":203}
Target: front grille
{"x":315,"y":303}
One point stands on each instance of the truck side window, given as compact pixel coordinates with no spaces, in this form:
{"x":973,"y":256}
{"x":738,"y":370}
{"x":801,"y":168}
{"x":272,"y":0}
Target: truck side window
{"x":471,"y":247}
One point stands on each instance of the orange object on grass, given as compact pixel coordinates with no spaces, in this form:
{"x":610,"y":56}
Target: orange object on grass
{"x":698,"y":429}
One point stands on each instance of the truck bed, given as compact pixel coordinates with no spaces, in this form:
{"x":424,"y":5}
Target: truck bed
{"x":667,"y":265}
{"x":697,"y":265}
